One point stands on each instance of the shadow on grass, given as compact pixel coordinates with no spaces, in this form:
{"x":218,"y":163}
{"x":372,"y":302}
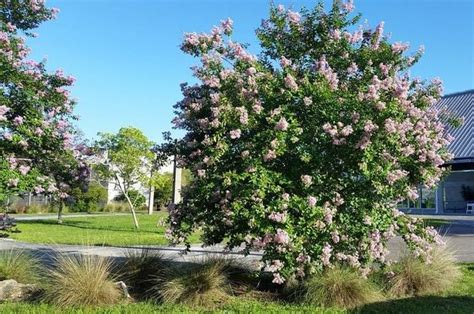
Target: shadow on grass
{"x":426,"y":304}
{"x":87,"y":225}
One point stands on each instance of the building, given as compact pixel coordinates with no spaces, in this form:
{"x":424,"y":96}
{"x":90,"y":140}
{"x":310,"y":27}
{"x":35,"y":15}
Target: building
{"x":448,"y":197}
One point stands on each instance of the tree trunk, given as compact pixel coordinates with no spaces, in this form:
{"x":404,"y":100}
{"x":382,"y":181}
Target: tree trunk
{"x":151,"y":200}
{"x":60,"y":212}
{"x":130,"y":204}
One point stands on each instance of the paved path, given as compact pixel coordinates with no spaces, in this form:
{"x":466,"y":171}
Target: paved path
{"x":458,"y":233}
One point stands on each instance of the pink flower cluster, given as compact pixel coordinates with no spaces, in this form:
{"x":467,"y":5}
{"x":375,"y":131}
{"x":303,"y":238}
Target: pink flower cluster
{"x":338,"y":132}
{"x":322,"y":66}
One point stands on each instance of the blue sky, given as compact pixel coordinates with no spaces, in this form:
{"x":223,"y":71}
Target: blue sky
{"x":126,"y":58}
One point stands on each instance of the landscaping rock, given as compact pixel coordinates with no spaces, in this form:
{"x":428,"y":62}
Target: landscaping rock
{"x":10,"y":290}
{"x":123,"y":287}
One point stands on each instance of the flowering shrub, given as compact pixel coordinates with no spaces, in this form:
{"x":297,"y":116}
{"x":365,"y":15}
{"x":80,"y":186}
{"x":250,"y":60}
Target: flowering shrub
{"x":37,"y":149}
{"x":305,"y":151}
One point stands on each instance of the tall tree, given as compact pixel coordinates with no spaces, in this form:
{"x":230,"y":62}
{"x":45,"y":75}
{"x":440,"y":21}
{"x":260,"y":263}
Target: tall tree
{"x":36,"y":132}
{"x":127,"y":159}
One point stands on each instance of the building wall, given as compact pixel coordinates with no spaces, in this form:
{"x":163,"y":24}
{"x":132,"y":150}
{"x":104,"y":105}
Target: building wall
{"x":450,"y":198}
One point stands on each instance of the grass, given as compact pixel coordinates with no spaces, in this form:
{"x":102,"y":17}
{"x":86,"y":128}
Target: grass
{"x":139,"y":270}
{"x":18,"y":265}
{"x":81,"y":281}
{"x":205,"y":284}
{"x":458,"y":299}
{"x":435,"y":222}
{"x":96,"y":230}
{"x":245,"y":306}
{"x":414,"y":277}
{"x":342,"y":287}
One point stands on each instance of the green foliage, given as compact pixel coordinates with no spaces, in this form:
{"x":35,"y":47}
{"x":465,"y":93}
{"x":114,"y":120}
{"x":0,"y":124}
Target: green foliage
{"x":19,"y":265}
{"x":163,"y":183}
{"x":186,"y":177}
{"x":137,"y":198}
{"x":81,"y":281}
{"x":303,"y":151}
{"x":91,"y":200}
{"x":127,"y":154}
{"x":39,"y":148}
{"x":116,"y":207}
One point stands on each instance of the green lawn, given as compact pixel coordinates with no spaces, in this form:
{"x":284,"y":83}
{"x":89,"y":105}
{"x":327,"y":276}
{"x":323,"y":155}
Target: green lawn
{"x":460,"y":299}
{"x":435,"y":222}
{"x":106,"y":230}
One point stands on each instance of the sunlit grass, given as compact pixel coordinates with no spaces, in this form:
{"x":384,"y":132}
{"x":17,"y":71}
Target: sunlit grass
{"x":98,"y":230}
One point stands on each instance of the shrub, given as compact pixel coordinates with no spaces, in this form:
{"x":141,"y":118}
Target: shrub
{"x":81,"y":280}
{"x":140,"y":268}
{"x":196,"y":285}
{"x":19,"y":265}
{"x":93,"y":199}
{"x":339,"y":286}
{"x":137,"y":198}
{"x":302,"y":151}
{"x":163,"y":184}
{"x":38,"y":209}
{"x":116,"y":207}
{"x":412,"y":276}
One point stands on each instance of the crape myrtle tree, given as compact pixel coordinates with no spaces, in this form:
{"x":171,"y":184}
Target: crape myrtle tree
{"x":127,"y":160}
{"x":305,"y":151}
{"x":36,"y":134}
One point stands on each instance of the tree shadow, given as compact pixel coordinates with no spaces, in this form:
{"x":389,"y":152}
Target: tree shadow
{"x":421,"y":305}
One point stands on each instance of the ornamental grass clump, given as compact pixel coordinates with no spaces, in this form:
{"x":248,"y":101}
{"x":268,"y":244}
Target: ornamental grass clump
{"x":140,"y":268}
{"x":19,"y":265}
{"x":304,"y":151}
{"x":83,"y":280}
{"x":412,"y":276}
{"x":339,"y":286}
{"x":195,"y":285}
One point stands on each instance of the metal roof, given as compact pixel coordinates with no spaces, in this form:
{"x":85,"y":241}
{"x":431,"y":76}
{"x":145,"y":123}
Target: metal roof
{"x":461,"y":105}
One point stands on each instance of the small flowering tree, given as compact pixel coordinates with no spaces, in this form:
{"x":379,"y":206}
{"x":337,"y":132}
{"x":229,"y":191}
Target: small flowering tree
{"x":36,"y":134}
{"x":127,"y":160}
{"x":305,"y":151}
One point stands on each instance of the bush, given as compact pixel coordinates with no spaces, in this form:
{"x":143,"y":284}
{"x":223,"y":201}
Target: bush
{"x":18,"y":265}
{"x":31,"y":209}
{"x":81,"y":281}
{"x":163,"y":184}
{"x":412,"y":276}
{"x":116,"y":207}
{"x":339,"y":286}
{"x":140,"y":268}
{"x":196,"y":285}
{"x":136,"y":198}
{"x":302,"y":151}
{"x":91,"y":200}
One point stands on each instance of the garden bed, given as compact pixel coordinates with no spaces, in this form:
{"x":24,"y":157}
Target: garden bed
{"x":459,"y":299}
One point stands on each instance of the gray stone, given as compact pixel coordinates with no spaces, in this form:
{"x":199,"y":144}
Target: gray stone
{"x":10,"y":290}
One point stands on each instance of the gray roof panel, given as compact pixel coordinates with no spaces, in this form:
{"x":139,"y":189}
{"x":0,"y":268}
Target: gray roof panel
{"x":460,"y":105}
